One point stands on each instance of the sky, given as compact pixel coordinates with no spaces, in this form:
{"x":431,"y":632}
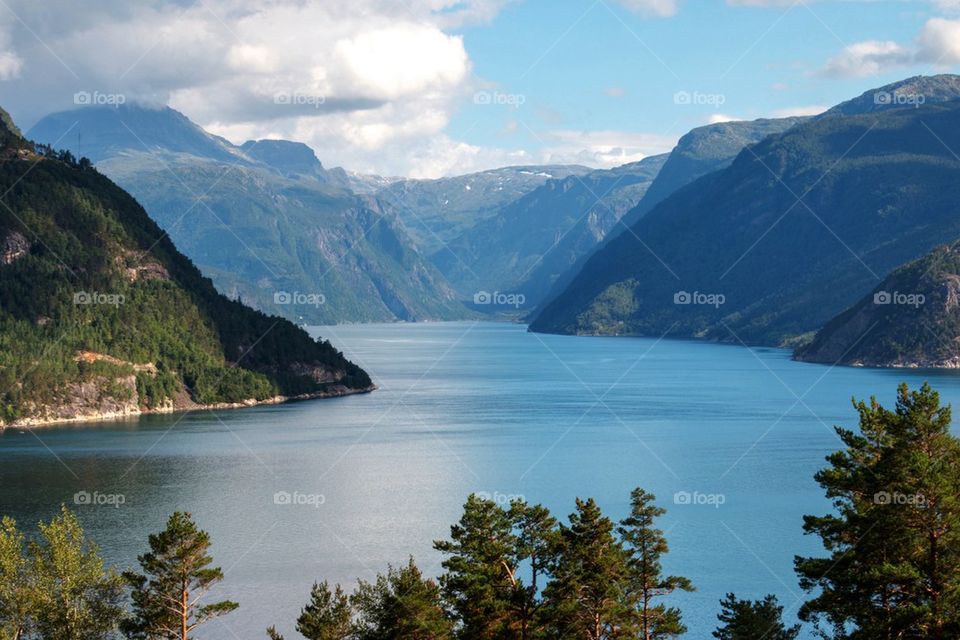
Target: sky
{"x":426,"y":88}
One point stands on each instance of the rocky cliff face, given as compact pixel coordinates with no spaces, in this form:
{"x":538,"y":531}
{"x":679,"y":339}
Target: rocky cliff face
{"x":911,"y":320}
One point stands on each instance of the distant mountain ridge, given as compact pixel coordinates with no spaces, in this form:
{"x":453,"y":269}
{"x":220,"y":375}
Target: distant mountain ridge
{"x":533,"y":240}
{"x":879,"y":190}
{"x":438,"y":210}
{"x":266,"y":220}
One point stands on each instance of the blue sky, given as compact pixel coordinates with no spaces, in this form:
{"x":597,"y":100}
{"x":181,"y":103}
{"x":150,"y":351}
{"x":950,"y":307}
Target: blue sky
{"x":427,"y":88}
{"x":598,"y":66}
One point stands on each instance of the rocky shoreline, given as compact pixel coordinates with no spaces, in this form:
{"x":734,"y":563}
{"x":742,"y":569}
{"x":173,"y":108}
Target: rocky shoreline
{"x":337,"y":391}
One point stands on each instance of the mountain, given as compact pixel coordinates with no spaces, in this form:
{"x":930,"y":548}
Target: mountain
{"x":912,"y":319}
{"x":702,"y":151}
{"x":737,"y":255}
{"x":912,"y":92}
{"x":101,"y":316}
{"x":697,"y":153}
{"x":264,"y":220}
{"x":100,"y":133}
{"x":435,"y":212}
{"x":531,"y":241}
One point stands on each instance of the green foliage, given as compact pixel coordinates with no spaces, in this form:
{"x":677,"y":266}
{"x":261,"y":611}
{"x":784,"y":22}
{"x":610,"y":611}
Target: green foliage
{"x":645,"y":544}
{"x":56,"y":587}
{"x":401,"y":605}
{"x":893,"y":568}
{"x":481,"y":569}
{"x":99,"y":275}
{"x":587,"y":596}
{"x":76,"y":597}
{"x":176,"y":576}
{"x":327,"y":616}
{"x":753,"y":620}
{"x":17,"y":602}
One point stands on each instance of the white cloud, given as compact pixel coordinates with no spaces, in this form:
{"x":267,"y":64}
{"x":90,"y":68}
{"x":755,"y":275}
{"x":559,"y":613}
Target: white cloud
{"x":360,"y":80}
{"x":10,"y":65}
{"x":865,"y":59}
{"x":938,"y":44}
{"x":402,"y":61}
{"x":604,"y":149}
{"x":718,"y":118}
{"x":658,"y":8}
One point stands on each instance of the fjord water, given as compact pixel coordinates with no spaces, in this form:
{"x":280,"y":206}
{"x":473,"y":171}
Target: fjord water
{"x":727,"y":437}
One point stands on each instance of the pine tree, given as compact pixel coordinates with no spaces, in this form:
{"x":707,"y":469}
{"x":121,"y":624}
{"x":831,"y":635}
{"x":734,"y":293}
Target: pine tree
{"x":76,"y":597}
{"x":753,"y":620}
{"x":401,"y":605}
{"x":327,"y":616}
{"x":535,"y":544}
{"x":894,"y":540}
{"x":645,"y":545}
{"x":17,"y":598}
{"x":481,"y":570}
{"x":587,"y":595}
{"x":176,"y":577}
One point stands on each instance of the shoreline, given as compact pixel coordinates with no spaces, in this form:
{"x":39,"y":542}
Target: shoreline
{"x":32,"y":423}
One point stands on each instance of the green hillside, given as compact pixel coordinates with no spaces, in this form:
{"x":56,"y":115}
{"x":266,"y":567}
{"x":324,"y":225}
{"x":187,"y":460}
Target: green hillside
{"x":101,"y":315}
{"x":911,"y":320}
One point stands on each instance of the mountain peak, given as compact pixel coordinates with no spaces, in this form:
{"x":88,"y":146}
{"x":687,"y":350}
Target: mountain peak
{"x":911,"y":92}
{"x":286,"y":156}
{"x":100,"y":132}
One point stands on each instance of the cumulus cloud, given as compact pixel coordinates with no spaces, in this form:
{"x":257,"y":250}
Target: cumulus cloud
{"x":349,"y":77}
{"x":866,"y":59}
{"x":938,"y":44}
{"x":371,"y":85}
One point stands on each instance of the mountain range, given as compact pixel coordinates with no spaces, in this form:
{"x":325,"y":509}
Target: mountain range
{"x":265,"y":220}
{"x":271,"y":225}
{"x":800,"y":226}
{"x":755,"y":232}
